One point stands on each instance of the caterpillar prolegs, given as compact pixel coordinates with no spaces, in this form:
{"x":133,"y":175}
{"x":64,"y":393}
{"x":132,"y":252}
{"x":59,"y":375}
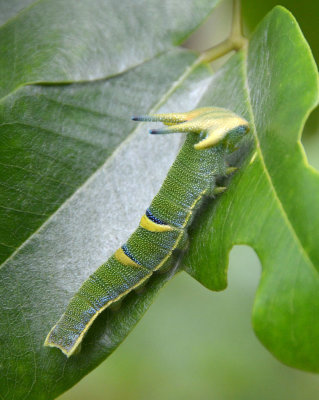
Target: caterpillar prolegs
{"x":211,"y":133}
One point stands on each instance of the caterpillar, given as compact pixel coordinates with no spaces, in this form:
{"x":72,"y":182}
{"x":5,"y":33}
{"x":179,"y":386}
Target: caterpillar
{"x":212,"y":133}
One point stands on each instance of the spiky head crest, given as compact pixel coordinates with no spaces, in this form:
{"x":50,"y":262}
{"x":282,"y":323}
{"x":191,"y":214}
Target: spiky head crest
{"x":219,"y":124}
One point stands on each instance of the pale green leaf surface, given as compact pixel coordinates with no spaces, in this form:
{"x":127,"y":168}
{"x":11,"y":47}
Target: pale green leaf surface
{"x":67,"y":41}
{"x":9,"y":9}
{"x":70,"y":160}
{"x":273,"y":202}
{"x":65,"y":133}
{"x":52,"y":138}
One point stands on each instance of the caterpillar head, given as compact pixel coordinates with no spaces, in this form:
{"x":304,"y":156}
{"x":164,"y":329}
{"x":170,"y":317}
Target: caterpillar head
{"x":217,"y":124}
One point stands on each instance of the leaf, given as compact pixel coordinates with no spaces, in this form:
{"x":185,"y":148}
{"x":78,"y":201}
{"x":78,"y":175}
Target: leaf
{"x":67,"y":41}
{"x":48,"y":148}
{"x":272,"y":203}
{"x":70,"y":160}
{"x":66,"y":163}
{"x":56,"y":136}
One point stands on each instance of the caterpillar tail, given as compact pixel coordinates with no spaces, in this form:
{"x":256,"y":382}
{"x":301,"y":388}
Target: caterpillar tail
{"x":107,"y":285}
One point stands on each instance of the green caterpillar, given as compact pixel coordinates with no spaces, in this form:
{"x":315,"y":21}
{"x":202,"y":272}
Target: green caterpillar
{"x":211,"y":133}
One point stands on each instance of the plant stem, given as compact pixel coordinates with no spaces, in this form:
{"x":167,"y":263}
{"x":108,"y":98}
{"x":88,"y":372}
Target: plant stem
{"x":235,"y":41}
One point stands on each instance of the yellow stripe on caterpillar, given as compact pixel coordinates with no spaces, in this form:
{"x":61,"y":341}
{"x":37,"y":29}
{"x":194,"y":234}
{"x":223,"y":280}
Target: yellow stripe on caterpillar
{"x":152,"y":226}
{"x":124,"y":259}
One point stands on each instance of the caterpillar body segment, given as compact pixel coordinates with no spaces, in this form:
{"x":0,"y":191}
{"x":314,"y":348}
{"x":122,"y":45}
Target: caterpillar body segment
{"x":108,"y":284}
{"x":211,"y":133}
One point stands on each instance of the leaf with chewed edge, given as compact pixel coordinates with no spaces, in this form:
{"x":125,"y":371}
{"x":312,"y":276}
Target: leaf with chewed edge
{"x":273,"y":201}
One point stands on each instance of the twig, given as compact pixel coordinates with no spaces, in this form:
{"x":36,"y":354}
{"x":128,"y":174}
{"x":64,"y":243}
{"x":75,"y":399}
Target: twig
{"x":234,"y":42}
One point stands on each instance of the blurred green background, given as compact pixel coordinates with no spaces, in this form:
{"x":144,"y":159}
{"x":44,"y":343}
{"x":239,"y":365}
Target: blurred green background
{"x":196,"y":344}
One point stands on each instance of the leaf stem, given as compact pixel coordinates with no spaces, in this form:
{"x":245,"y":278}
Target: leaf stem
{"x":235,"y":41}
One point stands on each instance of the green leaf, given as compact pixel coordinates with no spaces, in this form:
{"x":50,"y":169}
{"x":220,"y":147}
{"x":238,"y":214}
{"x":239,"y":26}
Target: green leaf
{"x":67,"y":41}
{"x":272,"y":203}
{"x":53,"y":139}
{"x":71,"y":160}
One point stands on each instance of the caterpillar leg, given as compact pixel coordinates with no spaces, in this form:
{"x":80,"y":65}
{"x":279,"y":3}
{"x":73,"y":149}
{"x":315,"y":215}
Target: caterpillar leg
{"x":231,"y":170}
{"x":117,"y":304}
{"x":107,"y":285}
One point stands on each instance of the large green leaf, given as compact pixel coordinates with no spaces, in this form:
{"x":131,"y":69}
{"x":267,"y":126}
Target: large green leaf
{"x":67,"y":41}
{"x":272,"y":203}
{"x":55,"y":137}
{"x":57,"y":225}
